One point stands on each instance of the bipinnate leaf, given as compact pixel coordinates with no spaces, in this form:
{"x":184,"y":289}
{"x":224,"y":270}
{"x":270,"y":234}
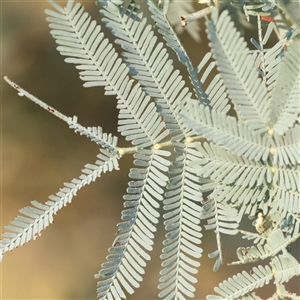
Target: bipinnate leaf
{"x":232,"y":146}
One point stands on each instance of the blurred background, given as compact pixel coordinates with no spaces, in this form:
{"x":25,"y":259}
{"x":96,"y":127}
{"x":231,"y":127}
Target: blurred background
{"x":39,"y":153}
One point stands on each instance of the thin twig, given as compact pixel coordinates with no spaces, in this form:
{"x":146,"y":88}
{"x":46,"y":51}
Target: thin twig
{"x":186,"y":19}
{"x":22,"y":92}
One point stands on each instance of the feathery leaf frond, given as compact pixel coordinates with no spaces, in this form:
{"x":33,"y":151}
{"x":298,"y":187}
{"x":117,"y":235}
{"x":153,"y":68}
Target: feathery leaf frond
{"x":80,"y":40}
{"x":287,"y":149}
{"x":39,"y":216}
{"x":125,"y":265}
{"x":107,"y":141}
{"x":215,"y":91}
{"x":275,"y":242}
{"x":286,"y":93}
{"x":149,"y":63}
{"x":240,"y":77}
{"x":242,"y":283}
{"x":173,"y":42}
{"x":227,"y":131}
{"x":285,"y":267}
{"x":182,"y":223}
